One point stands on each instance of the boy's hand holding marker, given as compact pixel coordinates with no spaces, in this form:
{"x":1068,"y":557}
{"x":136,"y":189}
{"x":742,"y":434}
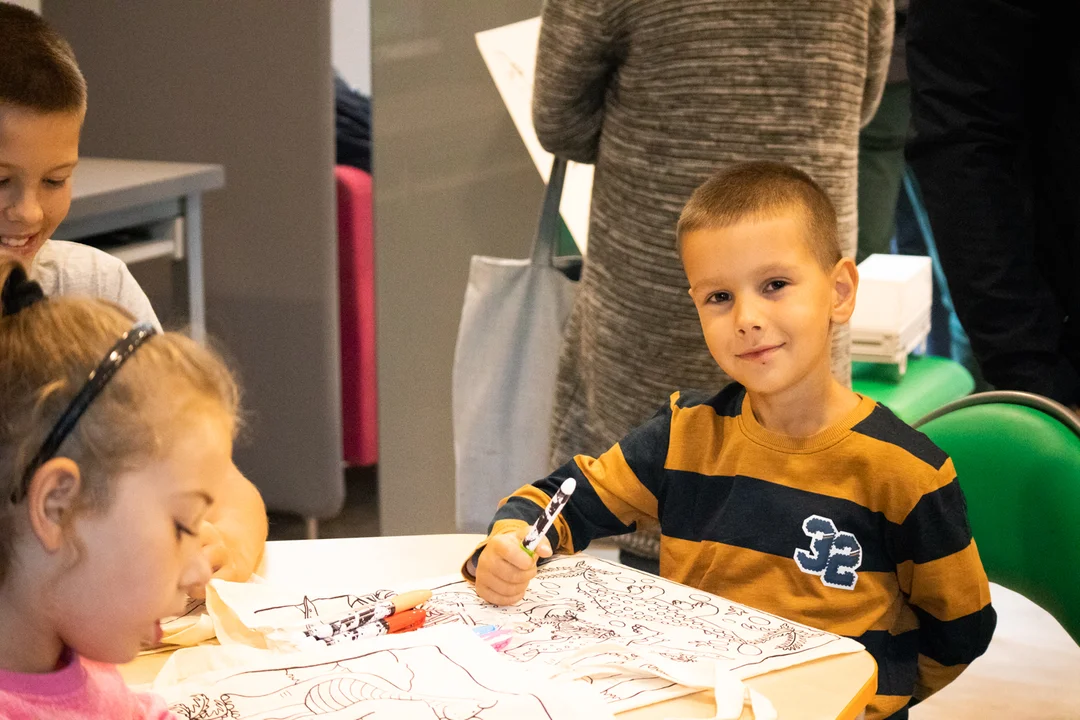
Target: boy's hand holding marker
{"x":504,"y":569}
{"x":508,"y":561}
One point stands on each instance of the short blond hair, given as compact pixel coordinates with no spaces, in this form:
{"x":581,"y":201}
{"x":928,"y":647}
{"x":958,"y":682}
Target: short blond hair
{"x":761,"y":190}
{"x":47,"y":351}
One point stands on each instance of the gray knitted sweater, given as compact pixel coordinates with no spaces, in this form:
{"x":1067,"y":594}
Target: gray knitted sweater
{"x":660,"y":94}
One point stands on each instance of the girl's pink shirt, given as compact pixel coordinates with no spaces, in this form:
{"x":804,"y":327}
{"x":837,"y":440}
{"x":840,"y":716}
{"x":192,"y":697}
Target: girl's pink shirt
{"x":80,"y":689}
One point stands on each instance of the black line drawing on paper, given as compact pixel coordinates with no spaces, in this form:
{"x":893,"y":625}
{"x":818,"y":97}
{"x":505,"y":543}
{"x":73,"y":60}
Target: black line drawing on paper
{"x":321,"y":606}
{"x":622,"y":689}
{"x":193,"y":613}
{"x":336,"y":606}
{"x":193,"y":607}
{"x":576,"y":602}
{"x":415,"y":683}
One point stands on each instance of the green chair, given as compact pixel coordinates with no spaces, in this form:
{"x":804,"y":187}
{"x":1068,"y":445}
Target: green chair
{"x":1017,"y":456}
{"x":929,"y":383}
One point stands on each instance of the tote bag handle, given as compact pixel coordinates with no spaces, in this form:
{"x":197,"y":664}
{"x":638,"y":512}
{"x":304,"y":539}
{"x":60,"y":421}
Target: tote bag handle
{"x":547,"y":233}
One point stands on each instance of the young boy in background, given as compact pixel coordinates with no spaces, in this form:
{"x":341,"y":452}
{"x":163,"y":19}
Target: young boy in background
{"x":42,"y":106}
{"x":786,"y":491}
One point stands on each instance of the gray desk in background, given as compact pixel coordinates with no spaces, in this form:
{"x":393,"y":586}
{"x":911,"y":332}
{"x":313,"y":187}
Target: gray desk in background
{"x":152,"y":209}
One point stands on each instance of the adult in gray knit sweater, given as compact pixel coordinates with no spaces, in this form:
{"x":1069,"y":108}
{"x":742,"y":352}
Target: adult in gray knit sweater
{"x":659,"y":95}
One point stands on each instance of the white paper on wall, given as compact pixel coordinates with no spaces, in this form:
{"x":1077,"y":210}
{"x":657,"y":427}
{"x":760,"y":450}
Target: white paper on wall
{"x":510,"y":55}
{"x":442,"y":673}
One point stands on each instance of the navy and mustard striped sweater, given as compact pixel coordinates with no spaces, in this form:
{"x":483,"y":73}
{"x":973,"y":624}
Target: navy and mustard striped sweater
{"x":860,"y":530}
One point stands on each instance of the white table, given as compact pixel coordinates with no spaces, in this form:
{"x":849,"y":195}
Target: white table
{"x":827,"y":689}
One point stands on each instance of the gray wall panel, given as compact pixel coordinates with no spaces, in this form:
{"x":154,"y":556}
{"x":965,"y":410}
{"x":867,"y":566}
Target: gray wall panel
{"x":244,"y":83}
{"x":452,"y":179}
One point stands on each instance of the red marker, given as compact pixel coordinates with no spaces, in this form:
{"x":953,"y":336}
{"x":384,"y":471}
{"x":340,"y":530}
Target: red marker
{"x":325,"y":629}
{"x":406,"y":621}
{"x":397,"y":623}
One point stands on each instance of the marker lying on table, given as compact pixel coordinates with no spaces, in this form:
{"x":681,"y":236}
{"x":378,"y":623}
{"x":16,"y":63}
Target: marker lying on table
{"x":543,"y":523}
{"x":404,"y":621}
{"x":358,"y":618}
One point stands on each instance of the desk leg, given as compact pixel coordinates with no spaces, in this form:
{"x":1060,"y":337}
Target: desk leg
{"x":194,"y":251}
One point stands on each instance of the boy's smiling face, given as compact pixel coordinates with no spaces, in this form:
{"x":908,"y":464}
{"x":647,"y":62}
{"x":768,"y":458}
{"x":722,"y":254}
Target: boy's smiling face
{"x":765,"y":302}
{"x":38,"y":153}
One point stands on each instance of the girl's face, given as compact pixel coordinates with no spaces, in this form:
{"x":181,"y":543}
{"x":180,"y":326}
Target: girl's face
{"x":140,"y":558}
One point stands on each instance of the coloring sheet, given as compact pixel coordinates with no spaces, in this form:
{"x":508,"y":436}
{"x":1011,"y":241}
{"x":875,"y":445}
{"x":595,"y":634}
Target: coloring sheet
{"x":635,"y":638}
{"x":616,"y":627}
{"x":510,"y":55}
{"x":442,"y":673}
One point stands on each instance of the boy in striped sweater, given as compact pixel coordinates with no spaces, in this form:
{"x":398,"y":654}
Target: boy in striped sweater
{"x":786,"y":491}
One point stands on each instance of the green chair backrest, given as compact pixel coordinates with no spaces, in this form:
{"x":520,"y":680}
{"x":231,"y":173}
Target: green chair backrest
{"x":929,"y":383}
{"x":1019,"y":469}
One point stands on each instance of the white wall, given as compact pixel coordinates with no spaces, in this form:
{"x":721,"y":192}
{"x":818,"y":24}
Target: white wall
{"x":35,"y":5}
{"x":350,"y":42}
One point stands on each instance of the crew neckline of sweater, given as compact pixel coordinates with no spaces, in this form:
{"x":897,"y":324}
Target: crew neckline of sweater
{"x":817,"y":442}
{"x":69,"y":677}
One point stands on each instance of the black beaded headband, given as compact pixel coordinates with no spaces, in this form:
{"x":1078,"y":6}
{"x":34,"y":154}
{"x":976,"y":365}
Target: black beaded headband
{"x":19,"y":293}
{"x":124,"y":348}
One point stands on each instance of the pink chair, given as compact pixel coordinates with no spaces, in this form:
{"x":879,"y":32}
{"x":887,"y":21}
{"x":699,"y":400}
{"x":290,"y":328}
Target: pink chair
{"x":356,"y":291}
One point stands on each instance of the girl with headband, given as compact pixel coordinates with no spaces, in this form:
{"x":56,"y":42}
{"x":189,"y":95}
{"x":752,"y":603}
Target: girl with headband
{"x":113,"y":441}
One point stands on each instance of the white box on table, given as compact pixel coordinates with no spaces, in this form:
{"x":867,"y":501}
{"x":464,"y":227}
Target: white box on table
{"x":892,"y":308}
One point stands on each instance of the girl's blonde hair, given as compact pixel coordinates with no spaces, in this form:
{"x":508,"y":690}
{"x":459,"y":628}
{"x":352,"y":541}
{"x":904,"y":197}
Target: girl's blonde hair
{"x":47,"y":351}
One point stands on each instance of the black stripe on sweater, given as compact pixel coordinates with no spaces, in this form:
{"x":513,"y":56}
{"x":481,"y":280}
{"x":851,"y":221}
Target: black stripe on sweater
{"x":896,"y":657}
{"x":959,"y":641}
{"x":763,"y":516}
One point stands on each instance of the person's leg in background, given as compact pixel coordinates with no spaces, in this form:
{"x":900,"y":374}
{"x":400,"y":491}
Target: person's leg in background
{"x":889,"y":203}
{"x":910,"y":227}
{"x":1055,"y":161}
{"x":915,"y":237}
{"x":881,"y":165}
{"x":973,"y":68}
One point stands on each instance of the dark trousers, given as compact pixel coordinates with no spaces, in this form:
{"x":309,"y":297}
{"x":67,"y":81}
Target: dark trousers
{"x":995,"y":108}
{"x":881,"y":167}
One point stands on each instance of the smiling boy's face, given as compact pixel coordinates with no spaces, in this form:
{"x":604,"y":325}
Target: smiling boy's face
{"x":38,"y":153}
{"x":765,"y":303}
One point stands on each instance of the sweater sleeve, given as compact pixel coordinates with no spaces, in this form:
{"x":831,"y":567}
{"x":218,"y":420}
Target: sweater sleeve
{"x":575,"y":62}
{"x":613,"y":492}
{"x":879,"y":43}
{"x":945,"y":584}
